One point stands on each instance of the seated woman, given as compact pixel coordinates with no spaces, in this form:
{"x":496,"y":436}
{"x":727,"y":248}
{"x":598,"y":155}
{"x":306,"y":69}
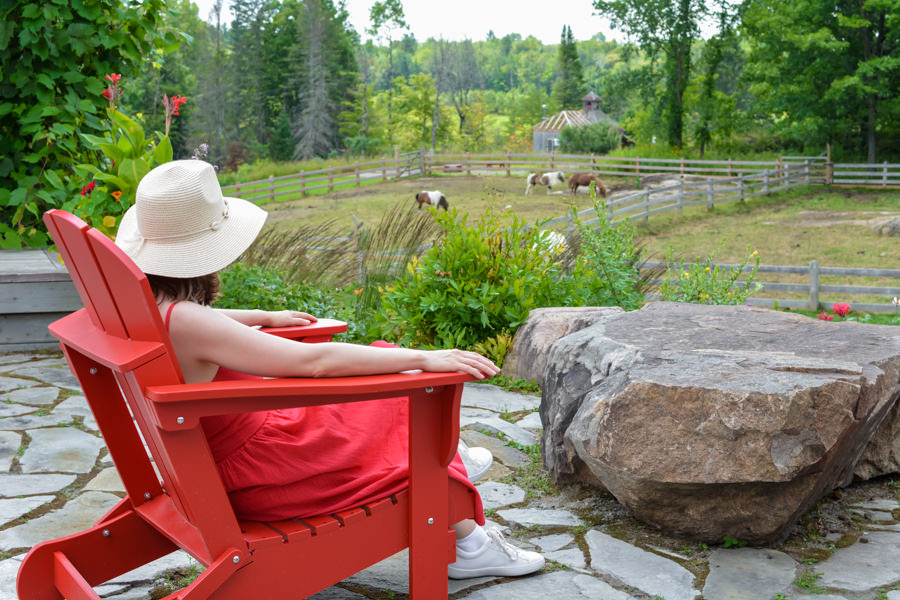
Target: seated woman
{"x":290,"y":463}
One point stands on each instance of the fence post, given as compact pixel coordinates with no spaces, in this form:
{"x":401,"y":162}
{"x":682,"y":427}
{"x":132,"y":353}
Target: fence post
{"x":508,"y":161}
{"x":729,"y":166}
{"x":680,"y":197}
{"x":237,"y":189}
{"x":383,"y":169}
{"x":302,"y":184}
{"x":785,"y":176}
{"x":813,"y":285}
{"x":741,"y":187}
{"x":330,"y":179}
{"x":468,"y":164}
{"x":647,"y":205}
{"x":884,"y":172}
{"x":806,"y":179}
{"x":682,"y":166}
{"x":637,"y":165}
{"x":356,"y":173}
{"x":710,"y":203}
{"x":271,"y":188}
{"x":765,"y":182}
{"x":552,"y":156}
{"x":593,"y":166}
{"x":422,"y":160}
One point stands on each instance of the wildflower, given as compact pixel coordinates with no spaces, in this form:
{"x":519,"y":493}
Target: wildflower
{"x":896,"y":301}
{"x":826,"y":317}
{"x":112,"y":92}
{"x":841,"y":309}
{"x":86,"y":190}
{"x":172,"y":106}
{"x":755,"y":253}
{"x":117,"y":195}
{"x":109,"y":222}
{"x":358,"y":292}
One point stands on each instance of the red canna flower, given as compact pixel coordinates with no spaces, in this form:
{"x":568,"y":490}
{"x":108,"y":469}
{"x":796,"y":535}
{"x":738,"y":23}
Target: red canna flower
{"x":114,"y":77}
{"x":86,"y":190}
{"x":112,"y":92}
{"x":841,"y":309}
{"x":826,"y":317}
{"x":172,"y":106}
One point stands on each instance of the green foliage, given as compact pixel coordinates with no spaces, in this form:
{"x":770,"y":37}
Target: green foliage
{"x":480,"y":281}
{"x":521,"y":386}
{"x":568,"y":89}
{"x":705,"y":282}
{"x":808,"y":582}
{"x":256,"y":287}
{"x":606,"y":272}
{"x":601,"y":137}
{"x":53,"y":56}
{"x":730,"y":542}
{"x":129,"y":155}
{"x":495,"y":348}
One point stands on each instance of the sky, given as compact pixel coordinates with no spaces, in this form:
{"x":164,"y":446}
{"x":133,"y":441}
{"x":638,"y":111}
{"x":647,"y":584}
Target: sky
{"x":456,"y":20}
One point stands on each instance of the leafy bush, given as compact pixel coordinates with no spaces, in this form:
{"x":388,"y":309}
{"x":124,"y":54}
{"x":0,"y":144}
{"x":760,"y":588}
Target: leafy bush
{"x":479,"y":282}
{"x":53,"y":56}
{"x":246,"y":286}
{"x":705,"y":282}
{"x":596,"y":138}
{"x":607,"y":273}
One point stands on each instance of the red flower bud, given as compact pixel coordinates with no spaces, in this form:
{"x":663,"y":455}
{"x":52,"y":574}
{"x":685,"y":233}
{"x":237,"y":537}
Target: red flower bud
{"x":841,"y":309}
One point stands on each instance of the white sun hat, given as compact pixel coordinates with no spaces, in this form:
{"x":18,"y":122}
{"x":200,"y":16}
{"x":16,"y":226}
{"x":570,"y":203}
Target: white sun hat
{"x":182,"y":226}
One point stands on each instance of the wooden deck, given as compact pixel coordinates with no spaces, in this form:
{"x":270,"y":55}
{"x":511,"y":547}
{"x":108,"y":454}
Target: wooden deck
{"x":35,"y":290}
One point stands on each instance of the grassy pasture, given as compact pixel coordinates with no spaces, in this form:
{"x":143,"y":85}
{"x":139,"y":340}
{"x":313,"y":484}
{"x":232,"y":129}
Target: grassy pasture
{"x":831,"y":225}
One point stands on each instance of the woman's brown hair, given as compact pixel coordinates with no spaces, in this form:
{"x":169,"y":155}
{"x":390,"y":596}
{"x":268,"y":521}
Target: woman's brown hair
{"x":202,"y":290}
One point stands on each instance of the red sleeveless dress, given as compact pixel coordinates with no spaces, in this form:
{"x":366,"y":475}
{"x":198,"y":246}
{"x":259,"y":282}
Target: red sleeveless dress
{"x":308,"y":461}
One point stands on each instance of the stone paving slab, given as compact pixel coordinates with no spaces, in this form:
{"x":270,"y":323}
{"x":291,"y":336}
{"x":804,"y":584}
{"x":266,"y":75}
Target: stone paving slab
{"x":495,"y":494}
{"x":551,"y":586}
{"x":862,"y":567}
{"x":10,"y":409}
{"x":496,"y":399}
{"x":642,"y":570}
{"x":9,"y":568}
{"x":62,"y":449}
{"x":9,"y":447}
{"x":78,"y":514}
{"x":13,"y":508}
{"x":748,"y":574}
{"x":58,"y":376}
{"x":8,"y":384}
{"x":528,"y":517}
{"x":40,"y":396}
{"x":27,"y":485}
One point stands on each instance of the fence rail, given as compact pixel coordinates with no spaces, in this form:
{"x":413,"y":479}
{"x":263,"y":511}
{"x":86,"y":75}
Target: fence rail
{"x":812,"y":288}
{"x":409,"y":164}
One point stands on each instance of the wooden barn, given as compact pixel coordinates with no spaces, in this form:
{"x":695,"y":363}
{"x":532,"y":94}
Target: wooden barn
{"x":545,"y":135}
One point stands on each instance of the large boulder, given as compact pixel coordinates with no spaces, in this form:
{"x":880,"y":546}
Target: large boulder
{"x":531,"y":344}
{"x":714,"y":421}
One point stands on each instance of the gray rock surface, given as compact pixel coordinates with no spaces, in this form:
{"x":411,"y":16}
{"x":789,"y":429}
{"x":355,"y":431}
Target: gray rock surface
{"x":552,"y":586}
{"x":543,"y":327}
{"x":642,"y":570}
{"x":62,"y":449}
{"x":78,"y":514}
{"x":13,"y":508}
{"x":862,"y":567}
{"x":748,"y":574}
{"x":27,"y":485}
{"x":709,"y":421}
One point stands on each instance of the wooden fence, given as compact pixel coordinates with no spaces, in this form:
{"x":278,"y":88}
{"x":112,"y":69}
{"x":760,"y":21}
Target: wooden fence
{"x":810,"y":292}
{"x":408,"y":164}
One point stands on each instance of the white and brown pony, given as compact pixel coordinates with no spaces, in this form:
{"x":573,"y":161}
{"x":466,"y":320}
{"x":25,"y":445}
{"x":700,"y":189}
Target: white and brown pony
{"x":549,"y":179}
{"x":435,"y":199}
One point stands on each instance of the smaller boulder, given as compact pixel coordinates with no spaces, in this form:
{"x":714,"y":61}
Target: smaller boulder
{"x":544,"y":326}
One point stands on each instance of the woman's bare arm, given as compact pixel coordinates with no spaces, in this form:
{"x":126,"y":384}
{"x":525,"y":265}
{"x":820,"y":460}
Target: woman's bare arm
{"x":203,"y":337}
{"x":268,"y":318}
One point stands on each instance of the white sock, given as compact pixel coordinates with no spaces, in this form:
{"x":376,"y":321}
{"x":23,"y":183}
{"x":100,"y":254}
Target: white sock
{"x":473,"y":541}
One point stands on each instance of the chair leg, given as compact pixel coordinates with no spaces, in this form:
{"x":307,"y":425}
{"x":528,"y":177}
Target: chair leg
{"x":91,"y":557}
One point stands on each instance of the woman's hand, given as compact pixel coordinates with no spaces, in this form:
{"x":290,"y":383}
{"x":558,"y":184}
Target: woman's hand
{"x":286,"y":318}
{"x":460,"y":360}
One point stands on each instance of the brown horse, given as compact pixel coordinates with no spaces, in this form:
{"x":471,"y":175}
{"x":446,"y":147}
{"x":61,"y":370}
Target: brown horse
{"x":585,"y":179}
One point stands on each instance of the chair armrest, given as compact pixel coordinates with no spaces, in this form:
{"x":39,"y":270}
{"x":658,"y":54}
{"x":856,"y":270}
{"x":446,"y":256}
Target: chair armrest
{"x":180,"y":406}
{"x":323,"y":328}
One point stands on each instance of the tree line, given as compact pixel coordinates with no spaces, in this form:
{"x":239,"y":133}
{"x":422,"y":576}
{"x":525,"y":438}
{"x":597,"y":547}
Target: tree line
{"x":292,"y":79}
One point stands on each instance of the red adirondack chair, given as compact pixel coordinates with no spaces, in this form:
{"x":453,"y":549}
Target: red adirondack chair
{"x":118,"y":348}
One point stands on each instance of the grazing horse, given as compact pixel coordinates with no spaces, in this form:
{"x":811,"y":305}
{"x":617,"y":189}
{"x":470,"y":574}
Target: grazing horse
{"x":435,"y":199}
{"x":549,"y":179}
{"x":585,"y":179}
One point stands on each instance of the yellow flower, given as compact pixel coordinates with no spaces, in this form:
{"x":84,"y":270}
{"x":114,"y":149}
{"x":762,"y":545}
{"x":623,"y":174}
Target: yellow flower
{"x":109,"y":222}
{"x":754,"y":253}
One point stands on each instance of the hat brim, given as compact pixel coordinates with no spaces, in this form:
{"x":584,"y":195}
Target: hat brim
{"x":193,"y":255}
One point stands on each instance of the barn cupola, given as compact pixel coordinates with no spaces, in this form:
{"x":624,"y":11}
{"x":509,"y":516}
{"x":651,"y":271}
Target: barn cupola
{"x":590,"y":102}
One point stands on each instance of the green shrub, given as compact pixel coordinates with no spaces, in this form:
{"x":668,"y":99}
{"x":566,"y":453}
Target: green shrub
{"x":705,"y":282}
{"x":607,"y":273}
{"x":596,"y":138}
{"x":249,"y":287}
{"x":479,"y":282}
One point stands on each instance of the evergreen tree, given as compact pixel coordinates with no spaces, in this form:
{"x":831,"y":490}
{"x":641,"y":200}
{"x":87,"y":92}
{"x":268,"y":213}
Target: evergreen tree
{"x":568,"y":88}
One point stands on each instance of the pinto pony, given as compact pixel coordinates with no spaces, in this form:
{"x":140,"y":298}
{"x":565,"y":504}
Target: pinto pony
{"x":435,"y":199}
{"x":585,"y":179}
{"x":549,"y":179}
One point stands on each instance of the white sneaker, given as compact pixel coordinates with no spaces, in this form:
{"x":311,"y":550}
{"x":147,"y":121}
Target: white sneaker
{"x":497,"y":558}
{"x":477,"y":460}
